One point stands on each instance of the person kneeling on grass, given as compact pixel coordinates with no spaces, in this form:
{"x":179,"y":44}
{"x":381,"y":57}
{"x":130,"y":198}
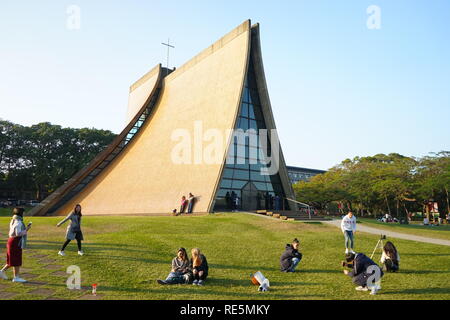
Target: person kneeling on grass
{"x":291,"y":257}
{"x":390,"y":258}
{"x":199,"y":266}
{"x":180,"y":269}
{"x":363,"y":268}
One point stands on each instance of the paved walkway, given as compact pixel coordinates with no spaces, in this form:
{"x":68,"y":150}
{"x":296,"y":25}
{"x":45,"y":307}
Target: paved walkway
{"x":393,"y":234}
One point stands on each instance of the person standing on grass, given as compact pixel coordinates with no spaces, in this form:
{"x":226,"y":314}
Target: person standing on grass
{"x":199,"y":266}
{"x":348,"y":227}
{"x":291,"y":257}
{"x":16,"y":243}
{"x":73,"y":230}
{"x":180,"y":272}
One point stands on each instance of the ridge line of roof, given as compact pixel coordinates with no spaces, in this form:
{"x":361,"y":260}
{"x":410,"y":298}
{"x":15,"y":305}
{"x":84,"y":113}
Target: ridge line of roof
{"x":243,"y":27}
{"x":145,"y":77}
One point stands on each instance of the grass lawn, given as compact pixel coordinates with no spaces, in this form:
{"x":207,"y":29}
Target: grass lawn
{"x":416,"y":228}
{"x":125,"y":256}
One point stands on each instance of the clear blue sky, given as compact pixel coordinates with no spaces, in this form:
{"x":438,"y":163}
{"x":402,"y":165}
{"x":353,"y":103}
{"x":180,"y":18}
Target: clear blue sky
{"x":338,"y":89}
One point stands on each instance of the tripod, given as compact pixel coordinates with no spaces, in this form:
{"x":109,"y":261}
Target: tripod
{"x":379,"y":245}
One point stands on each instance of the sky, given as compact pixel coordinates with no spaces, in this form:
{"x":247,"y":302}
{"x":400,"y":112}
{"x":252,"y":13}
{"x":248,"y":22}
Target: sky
{"x":343,"y":81}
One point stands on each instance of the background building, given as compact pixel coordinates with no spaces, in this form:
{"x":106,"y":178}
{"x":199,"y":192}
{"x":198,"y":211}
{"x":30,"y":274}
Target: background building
{"x":297,"y":174}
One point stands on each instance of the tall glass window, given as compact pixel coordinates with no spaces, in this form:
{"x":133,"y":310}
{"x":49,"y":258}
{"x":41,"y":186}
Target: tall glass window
{"x":242,"y":179}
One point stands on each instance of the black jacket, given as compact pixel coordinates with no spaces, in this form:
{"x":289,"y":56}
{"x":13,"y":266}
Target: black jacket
{"x":360,"y":265}
{"x":203,"y":267}
{"x":286,"y":257}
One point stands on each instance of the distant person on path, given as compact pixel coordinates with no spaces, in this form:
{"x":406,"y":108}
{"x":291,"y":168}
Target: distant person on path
{"x":390,"y":258}
{"x":191,"y":200}
{"x":362,"y":269}
{"x":16,"y":243}
{"x":73,"y":229}
{"x":183,"y":204}
{"x":199,"y":266}
{"x":180,"y":272}
{"x":348,"y":227}
{"x":291,"y":257}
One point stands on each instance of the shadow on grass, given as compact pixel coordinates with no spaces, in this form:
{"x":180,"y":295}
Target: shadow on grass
{"x":427,"y":254}
{"x":422,"y":271}
{"x":188,"y":289}
{"x":421,"y":291}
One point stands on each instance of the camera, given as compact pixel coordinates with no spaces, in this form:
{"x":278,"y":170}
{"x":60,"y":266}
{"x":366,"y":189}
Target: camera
{"x":346,"y":264}
{"x":383,"y":237}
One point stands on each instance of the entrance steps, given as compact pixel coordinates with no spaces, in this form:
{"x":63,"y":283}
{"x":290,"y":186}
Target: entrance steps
{"x":292,"y":215}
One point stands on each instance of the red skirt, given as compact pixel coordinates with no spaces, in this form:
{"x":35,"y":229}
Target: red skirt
{"x":13,"y":252}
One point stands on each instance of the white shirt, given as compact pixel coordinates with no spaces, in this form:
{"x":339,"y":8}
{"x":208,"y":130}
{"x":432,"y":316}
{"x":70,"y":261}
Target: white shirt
{"x":384,"y":257}
{"x":16,"y":228}
{"x":348,"y":224}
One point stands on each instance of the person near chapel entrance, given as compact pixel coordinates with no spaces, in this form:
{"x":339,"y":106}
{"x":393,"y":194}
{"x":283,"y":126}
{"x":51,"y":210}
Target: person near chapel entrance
{"x":348,"y":227}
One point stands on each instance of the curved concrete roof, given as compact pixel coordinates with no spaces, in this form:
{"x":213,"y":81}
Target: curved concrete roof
{"x":143,"y":179}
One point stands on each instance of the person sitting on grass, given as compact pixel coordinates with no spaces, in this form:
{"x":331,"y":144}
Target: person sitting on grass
{"x":390,"y":258}
{"x":362,"y":268}
{"x":291,"y":257}
{"x":180,"y":269}
{"x":199,"y":266}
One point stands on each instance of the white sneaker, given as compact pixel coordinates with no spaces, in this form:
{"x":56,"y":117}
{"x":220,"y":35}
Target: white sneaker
{"x":61,"y":253}
{"x":346,"y":251}
{"x":361,"y":288}
{"x":352,"y":251}
{"x":3,"y":275}
{"x":80,"y":253}
{"x":374,"y":290}
{"x":18,"y":279}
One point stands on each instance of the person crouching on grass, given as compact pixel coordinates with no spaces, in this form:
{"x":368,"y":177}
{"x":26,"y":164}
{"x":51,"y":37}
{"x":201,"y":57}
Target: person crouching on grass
{"x":16,"y":242}
{"x":363,"y":268}
{"x":180,"y":272}
{"x":73,"y":230}
{"x":199,"y":266}
{"x":291,"y":257}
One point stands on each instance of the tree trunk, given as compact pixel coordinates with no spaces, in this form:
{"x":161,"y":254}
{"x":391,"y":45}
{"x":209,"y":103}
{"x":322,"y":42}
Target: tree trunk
{"x":448,"y":203}
{"x":387,"y":203}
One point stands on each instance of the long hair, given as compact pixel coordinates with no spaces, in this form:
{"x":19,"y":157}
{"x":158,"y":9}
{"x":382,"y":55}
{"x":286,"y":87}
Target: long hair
{"x":75,"y":209}
{"x":183,"y":251}
{"x":390,"y":250}
{"x":196,"y":257}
